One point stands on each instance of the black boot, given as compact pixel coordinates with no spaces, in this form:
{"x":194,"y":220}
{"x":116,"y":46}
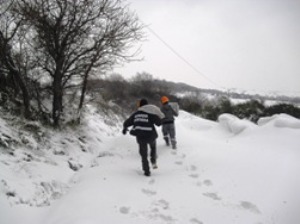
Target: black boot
{"x":167,"y":141}
{"x":147,"y":173}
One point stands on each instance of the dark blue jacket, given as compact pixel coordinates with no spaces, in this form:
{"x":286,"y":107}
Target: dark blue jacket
{"x":143,"y":125}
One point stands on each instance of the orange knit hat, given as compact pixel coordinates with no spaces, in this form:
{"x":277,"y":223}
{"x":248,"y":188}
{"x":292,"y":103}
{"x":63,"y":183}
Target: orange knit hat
{"x":164,"y":99}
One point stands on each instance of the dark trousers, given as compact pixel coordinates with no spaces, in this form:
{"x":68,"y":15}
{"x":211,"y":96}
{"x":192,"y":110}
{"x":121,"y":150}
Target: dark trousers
{"x":143,"y":148}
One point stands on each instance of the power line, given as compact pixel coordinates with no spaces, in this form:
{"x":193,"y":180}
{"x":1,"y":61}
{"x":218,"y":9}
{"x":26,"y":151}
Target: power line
{"x":182,"y":58}
{"x":186,"y":61}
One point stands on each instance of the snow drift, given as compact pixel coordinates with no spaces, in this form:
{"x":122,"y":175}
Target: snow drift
{"x":230,"y":171}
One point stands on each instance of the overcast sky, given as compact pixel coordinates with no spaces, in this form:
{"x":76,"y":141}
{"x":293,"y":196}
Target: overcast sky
{"x":251,"y":45}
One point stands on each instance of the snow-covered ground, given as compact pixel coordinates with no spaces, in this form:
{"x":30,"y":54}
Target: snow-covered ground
{"x":225,"y":172}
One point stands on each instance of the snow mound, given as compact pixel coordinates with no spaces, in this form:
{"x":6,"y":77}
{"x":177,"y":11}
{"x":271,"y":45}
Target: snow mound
{"x":233,"y":124}
{"x":280,"y":121}
{"x":194,"y":122}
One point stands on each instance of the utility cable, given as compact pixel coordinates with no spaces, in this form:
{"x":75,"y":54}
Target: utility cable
{"x":182,"y":58}
{"x":186,"y":61}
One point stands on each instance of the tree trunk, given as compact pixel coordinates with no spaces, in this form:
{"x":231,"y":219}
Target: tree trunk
{"x":57,"y":101}
{"x":17,"y":77}
{"x":25,"y":95}
{"x":83,"y":89}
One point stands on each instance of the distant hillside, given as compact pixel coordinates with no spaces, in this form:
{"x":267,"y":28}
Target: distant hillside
{"x":183,"y":87}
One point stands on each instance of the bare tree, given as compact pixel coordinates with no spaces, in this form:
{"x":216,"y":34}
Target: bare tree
{"x":74,"y":39}
{"x":5,"y":5}
{"x":11,"y":65}
{"x":144,"y":83}
{"x":117,"y":87}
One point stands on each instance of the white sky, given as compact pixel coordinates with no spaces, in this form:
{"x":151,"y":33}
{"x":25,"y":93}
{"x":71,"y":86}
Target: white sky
{"x":250,"y":45}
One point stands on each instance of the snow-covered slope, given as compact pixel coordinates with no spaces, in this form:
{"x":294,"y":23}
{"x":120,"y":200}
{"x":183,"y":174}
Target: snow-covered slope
{"x":230,"y":171}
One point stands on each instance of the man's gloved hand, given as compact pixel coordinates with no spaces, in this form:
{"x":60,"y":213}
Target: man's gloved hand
{"x":124,"y":131}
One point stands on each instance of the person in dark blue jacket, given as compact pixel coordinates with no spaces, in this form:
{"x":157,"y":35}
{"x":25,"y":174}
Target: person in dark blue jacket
{"x":143,"y":123}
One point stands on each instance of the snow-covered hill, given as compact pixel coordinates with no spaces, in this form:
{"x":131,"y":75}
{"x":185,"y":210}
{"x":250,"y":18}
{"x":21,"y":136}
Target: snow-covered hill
{"x":230,"y":171}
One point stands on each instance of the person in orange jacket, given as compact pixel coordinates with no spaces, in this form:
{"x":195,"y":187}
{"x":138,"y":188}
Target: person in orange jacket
{"x":168,"y":122}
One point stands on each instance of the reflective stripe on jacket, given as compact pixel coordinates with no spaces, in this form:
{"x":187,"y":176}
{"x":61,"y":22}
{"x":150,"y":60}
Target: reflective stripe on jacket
{"x":143,"y":125}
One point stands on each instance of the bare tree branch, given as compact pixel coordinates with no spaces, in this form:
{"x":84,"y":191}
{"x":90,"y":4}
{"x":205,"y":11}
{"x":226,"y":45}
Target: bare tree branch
{"x":71,"y":39}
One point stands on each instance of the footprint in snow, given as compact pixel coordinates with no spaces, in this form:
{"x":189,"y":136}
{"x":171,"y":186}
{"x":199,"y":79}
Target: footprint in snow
{"x":124,"y":210}
{"x":196,"y":221}
{"x":194,"y":175}
{"x":149,"y":192}
{"x":208,"y":183}
{"x":166,"y":218}
{"x":151,"y":181}
{"x":249,"y":206}
{"x":163,"y":204}
{"x":213,"y":196}
{"x":178,"y":162}
{"x":193,"y":168}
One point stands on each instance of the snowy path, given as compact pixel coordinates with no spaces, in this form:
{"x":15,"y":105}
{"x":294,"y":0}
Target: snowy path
{"x":215,"y":176}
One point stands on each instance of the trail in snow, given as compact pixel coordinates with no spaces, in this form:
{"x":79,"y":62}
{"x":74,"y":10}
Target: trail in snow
{"x":212,"y":177}
{"x":227,"y":172}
